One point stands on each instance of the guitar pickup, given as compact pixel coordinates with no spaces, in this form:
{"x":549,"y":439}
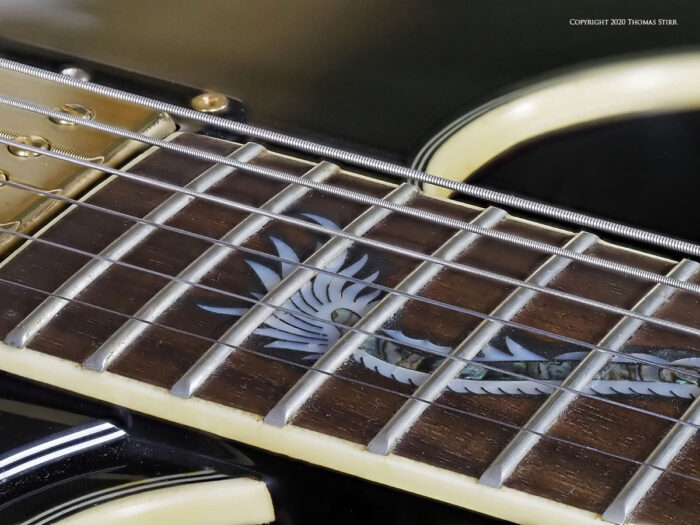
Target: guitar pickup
{"x":24,"y":211}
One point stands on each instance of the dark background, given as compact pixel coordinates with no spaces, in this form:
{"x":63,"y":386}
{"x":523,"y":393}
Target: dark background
{"x":382,"y":77}
{"x":379,"y":75}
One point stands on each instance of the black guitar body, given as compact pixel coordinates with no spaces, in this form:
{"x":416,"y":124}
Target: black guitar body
{"x":382,"y":80}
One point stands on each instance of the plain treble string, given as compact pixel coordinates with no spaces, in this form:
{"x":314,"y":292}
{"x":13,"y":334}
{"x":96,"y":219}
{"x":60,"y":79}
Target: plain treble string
{"x":370,"y":334}
{"x":364,"y":240}
{"x":277,"y":258}
{"x":361,"y":198}
{"x":553,"y":212}
{"x":369,"y":385}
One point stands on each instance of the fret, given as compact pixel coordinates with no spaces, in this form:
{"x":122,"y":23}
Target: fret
{"x":331,"y":421}
{"x":167,"y":296}
{"x":449,"y":369}
{"x":645,"y":477}
{"x":506,"y":462}
{"x":27,"y":329}
{"x":193,"y":379}
{"x":335,"y":356}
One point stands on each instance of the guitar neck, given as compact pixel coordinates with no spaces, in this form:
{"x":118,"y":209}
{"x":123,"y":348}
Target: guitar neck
{"x":388,"y":350}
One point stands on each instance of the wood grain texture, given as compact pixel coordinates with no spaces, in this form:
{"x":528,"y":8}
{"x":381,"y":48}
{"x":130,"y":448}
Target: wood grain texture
{"x":423,"y":321}
{"x":462,"y":432}
{"x":590,"y":479}
{"x":674,"y":499}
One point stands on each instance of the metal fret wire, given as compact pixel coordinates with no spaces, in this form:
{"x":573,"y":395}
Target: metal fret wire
{"x":360,"y":197}
{"x":361,"y":331}
{"x":553,"y":212}
{"x":386,"y":308}
{"x":672,"y":240}
{"x":586,"y":370}
{"x":359,"y":382}
{"x":469,"y":348}
{"x":525,"y":377}
{"x":276,"y":258}
{"x":644,"y":478}
{"x":239,"y":331}
{"x":23,"y":333}
{"x":363,"y":240}
{"x":364,"y":199}
{"x":197,"y":269}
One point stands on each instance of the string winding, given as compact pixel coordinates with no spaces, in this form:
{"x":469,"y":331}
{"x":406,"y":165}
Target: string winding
{"x":370,"y":385}
{"x":379,"y":166}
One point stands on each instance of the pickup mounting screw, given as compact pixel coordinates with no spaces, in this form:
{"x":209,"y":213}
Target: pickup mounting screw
{"x":76,"y":73}
{"x":30,"y":140}
{"x":210,"y":102}
{"x":75,"y":110}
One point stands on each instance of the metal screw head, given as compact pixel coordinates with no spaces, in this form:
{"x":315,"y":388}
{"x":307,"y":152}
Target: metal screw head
{"x":30,"y":140}
{"x":3,"y":176}
{"x":76,"y":73}
{"x":75,"y":110}
{"x":210,"y":102}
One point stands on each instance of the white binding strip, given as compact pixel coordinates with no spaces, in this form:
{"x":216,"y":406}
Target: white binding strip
{"x":355,"y":196}
{"x":88,"y":500}
{"x":329,"y":362}
{"x":140,"y":483}
{"x":449,"y":369}
{"x":534,"y":387}
{"x":61,"y":453}
{"x":662,"y":456}
{"x":166,"y":297}
{"x":578,"y":380}
{"x":408,"y":210}
{"x":25,"y":331}
{"x":75,"y":435}
{"x":190,"y":382}
{"x":295,"y":143}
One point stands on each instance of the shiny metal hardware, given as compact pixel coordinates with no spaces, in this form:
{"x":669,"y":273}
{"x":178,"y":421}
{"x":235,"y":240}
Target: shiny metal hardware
{"x":389,"y":306}
{"x":35,"y":141}
{"x":30,"y":140}
{"x":76,"y":110}
{"x":210,"y":102}
{"x":202,"y":370}
{"x":76,"y":73}
{"x":25,"y":212}
{"x":174,"y":290}
{"x":560,"y":400}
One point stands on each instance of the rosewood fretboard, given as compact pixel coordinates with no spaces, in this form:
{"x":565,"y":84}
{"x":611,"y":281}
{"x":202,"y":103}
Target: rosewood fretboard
{"x":261,"y":362}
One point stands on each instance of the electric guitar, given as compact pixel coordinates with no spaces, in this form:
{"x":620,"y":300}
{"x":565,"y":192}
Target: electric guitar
{"x":204,"y":320}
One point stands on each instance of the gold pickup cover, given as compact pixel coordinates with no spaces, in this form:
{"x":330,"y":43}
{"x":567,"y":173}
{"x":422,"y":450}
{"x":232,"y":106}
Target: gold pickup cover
{"x":25,"y":212}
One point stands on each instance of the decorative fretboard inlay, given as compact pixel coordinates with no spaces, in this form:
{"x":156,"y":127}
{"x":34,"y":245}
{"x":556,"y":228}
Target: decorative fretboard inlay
{"x":385,"y":349}
{"x":586,"y":373}
{"x":307,"y":324}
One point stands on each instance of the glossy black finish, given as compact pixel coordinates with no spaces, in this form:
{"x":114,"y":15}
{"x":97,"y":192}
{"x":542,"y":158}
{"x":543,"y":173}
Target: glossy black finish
{"x":30,"y":415}
{"x":303,"y":494}
{"x":145,"y":85}
{"x":382,"y":76}
{"x":642,"y":171}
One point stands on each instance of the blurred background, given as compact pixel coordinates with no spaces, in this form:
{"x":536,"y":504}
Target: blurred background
{"x":381,"y":75}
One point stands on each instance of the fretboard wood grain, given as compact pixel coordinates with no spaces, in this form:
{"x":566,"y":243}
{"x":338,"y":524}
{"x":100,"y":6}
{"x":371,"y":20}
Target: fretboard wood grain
{"x":463,"y":433}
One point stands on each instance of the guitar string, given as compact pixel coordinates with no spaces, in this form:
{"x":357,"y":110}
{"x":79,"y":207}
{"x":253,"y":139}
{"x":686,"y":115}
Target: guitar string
{"x":363,"y":240}
{"x":276,"y":258}
{"x":294,"y":143}
{"x":375,"y":335}
{"x":359,"y":197}
{"x":361,"y":383}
